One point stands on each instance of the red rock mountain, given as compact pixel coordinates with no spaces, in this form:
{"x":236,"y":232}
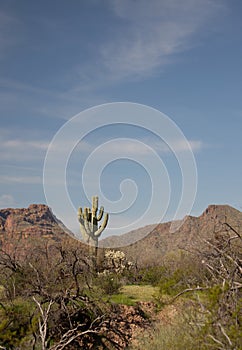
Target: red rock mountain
{"x":160,"y":241}
{"x":36,"y":220}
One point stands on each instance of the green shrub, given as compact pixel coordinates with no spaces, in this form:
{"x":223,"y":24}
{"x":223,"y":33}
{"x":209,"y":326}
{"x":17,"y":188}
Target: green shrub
{"x":176,"y":336}
{"x":152,"y":275}
{"x":16,"y":323}
{"x":109,"y":283}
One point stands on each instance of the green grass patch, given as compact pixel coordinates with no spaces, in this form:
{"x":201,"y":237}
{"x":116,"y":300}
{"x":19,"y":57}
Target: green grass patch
{"x":175,"y":336}
{"x":140,"y":292}
{"x":131,"y":294}
{"x":122,"y":299}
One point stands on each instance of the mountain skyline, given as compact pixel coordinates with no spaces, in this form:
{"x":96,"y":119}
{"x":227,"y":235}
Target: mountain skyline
{"x":59,"y":58}
{"x":37,"y":221}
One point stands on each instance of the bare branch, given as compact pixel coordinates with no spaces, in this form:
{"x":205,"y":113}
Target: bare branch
{"x":222,"y":253}
{"x":189,"y":290}
{"x":43,"y":321}
{"x":225,"y":334}
{"x":232,"y":229}
{"x":216,"y":340}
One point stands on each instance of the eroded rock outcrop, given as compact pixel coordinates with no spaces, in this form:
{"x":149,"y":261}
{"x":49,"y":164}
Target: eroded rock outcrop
{"x":36,"y":220}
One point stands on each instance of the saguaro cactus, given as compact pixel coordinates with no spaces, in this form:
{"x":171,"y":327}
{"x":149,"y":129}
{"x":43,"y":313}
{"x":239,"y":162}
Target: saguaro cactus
{"x":89,"y":219}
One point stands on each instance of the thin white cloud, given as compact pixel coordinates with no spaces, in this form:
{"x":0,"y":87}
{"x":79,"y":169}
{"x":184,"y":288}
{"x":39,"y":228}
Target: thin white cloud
{"x":14,"y":149}
{"x":27,"y":180}
{"x":146,"y":36}
{"x":178,"y":146}
{"x":19,"y":151}
{"x":15,"y":96}
{"x":151,"y":32}
{"x":142,"y":147}
{"x":25,"y":145}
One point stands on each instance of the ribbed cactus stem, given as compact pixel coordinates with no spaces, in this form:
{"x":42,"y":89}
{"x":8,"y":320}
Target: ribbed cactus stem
{"x":103,"y":226}
{"x":100,"y":215}
{"x":95,"y":204}
{"x":89,"y":219}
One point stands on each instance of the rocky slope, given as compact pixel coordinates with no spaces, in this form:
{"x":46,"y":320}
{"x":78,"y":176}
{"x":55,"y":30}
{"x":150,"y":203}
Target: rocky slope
{"x":35,"y":221}
{"x":191,"y":235}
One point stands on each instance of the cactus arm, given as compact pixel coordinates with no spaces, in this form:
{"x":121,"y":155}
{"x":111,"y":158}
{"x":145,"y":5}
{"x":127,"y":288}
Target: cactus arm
{"x":81,"y":217}
{"x":95,"y":202}
{"x":100,"y":215}
{"x":102,"y":227}
{"x":94,"y":206}
{"x":85,"y":214}
{"x":87,"y":227}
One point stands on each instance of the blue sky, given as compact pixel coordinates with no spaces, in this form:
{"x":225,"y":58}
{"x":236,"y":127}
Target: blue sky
{"x":182,"y":58}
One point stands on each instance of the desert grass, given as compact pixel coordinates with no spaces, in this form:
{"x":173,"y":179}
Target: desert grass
{"x":140,"y":293}
{"x":132,"y":294}
{"x":173,"y":336}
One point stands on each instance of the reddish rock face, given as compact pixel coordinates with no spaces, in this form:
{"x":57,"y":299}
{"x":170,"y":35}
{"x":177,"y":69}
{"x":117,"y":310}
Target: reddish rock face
{"x":37,"y":219}
{"x":190,"y":236}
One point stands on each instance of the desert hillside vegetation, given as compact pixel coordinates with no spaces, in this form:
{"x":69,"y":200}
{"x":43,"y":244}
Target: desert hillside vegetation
{"x":53,"y":297}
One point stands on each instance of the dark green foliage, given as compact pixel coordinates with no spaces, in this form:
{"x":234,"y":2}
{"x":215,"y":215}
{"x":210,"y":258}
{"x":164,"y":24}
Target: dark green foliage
{"x":152,"y":275}
{"x":54,"y":286}
{"x":55,"y":283}
{"x":17,"y":323}
{"x":109,"y":283}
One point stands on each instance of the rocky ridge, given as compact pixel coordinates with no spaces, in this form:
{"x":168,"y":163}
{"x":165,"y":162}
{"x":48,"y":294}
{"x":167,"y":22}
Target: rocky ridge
{"x":191,"y":235}
{"x":36,"y":220}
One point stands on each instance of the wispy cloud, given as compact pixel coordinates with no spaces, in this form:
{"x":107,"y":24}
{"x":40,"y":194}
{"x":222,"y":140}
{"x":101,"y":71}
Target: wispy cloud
{"x":178,"y":146}
{"x":24,"y":152}
{"x":28,"y":180}
{"x":140,"y":147}
{"x":15,"y":149}
{"x":146,"y":36}
{"x":151,"y":32}
{"x":25,"y":145}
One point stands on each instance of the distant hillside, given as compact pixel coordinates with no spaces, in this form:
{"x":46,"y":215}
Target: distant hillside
{"x":160,"y":241}
{"x":38,"y":221}
{"x":35,"y":221}
{"x":126,"y":238}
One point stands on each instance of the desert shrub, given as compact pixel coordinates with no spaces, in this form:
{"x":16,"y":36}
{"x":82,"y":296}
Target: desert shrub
{"x":109,"y":283}
{"x":223,"y":317}
{"x":151,"y":275}
{"x":222,"y":299}
{"x":44,"y":300}
{"x":179,"y":269}
{"x":215,"y":284}
{"x":115,"y":261}
{"x":170,"y":336}
{"x":172,"y":283}
{"x":16,"y":323}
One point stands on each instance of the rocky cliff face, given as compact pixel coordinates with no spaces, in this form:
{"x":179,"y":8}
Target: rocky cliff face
{"x":191,"y":235}
{"x":36,"y":220}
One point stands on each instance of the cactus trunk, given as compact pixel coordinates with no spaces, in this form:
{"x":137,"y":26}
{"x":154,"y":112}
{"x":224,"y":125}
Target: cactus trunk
{"x":89,"y":219}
